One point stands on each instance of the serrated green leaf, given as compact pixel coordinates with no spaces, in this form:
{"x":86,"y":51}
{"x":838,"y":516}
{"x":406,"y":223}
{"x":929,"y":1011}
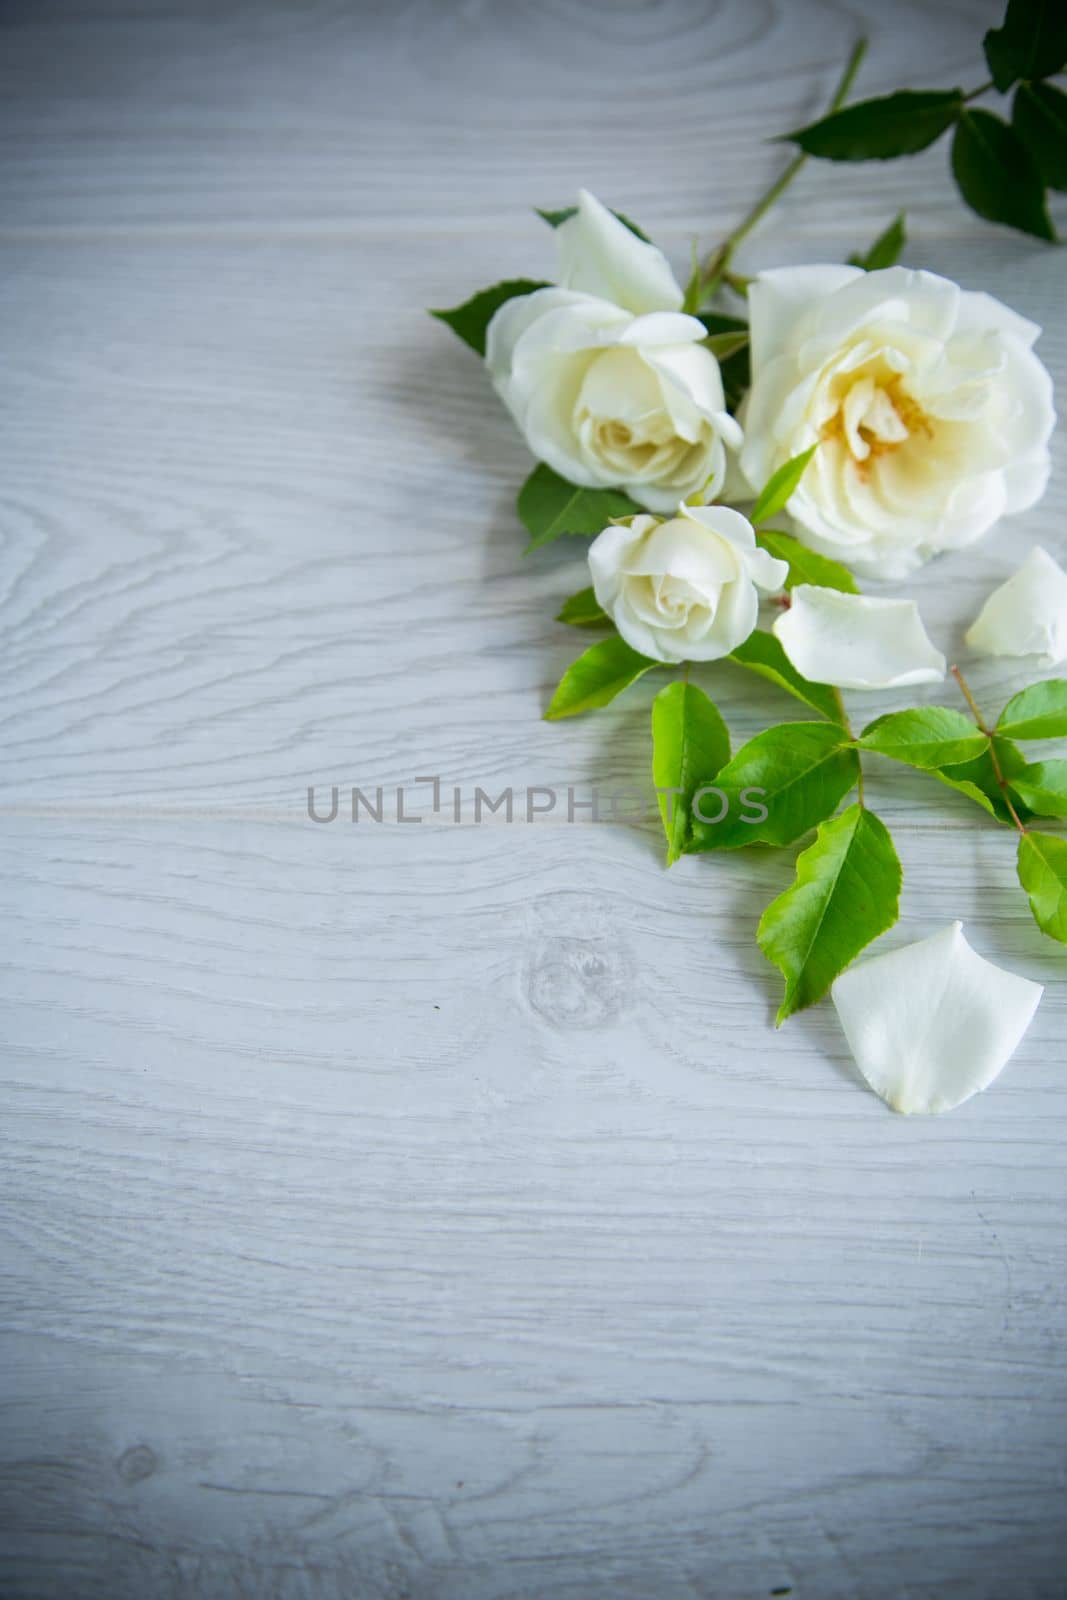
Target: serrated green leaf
{"x":762,"y":653}
{"x":797,"y":773}
{"x":472,"y":318}
{"x":978,"y":779}
{"x":1042,"y":867}
{"x":885,"y":251}
{"x":972,"y":790}
{"x":996,"y":175}
{"x":1037,"y":712}
{"x":1030,"y":43}
{"x":846,"y":893}
{"x":806,"y":566}
{"x":549,"y":507}
{"x":1041,"y":786}
{"x":1039,"y":117}
{"x":598,"y":675}
{"x":780,"y":486}
{"x":880,"y":129}
{"x":690,"y":742}
{"x":554,"y":218}
{"x":583,"y":610}
{"x":929,"y":736}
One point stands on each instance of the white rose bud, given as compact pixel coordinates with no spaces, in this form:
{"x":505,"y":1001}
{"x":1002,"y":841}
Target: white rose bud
{"x":683,"y":590}
{"x":931,"y":412}
{"x":607,"y":379}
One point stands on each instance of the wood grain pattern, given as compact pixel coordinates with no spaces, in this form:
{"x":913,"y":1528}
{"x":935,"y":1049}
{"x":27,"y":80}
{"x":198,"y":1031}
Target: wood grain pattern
{"x":433,"y":1211}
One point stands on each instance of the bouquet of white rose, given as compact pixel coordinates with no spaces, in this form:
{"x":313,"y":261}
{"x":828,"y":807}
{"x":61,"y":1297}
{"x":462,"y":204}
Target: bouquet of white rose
{"x":886,"y":416}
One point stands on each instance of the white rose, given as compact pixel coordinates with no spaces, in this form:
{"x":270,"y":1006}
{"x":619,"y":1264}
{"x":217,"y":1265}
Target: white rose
{"x":931,"y":412}
{"x":607,"y":379}
{"x":683,"y":590}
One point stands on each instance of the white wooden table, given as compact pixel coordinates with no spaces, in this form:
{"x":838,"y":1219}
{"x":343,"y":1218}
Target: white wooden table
{"x":433,"y":1211}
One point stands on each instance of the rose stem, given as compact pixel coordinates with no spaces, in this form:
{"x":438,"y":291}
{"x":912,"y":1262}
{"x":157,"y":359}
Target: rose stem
{"x":965,"y":690}
{"x":715,"y":268}
{"x":848,"y":729}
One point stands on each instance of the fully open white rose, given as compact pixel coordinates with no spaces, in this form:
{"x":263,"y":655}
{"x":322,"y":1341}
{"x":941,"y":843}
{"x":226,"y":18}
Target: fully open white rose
{"x":683,"y":590}
{"x":931,"y":412}
{"x":607,"y":379}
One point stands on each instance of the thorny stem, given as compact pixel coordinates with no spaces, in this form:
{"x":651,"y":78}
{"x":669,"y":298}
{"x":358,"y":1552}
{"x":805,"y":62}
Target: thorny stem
{"x":716,"y":268}
{"x":965,"y":690}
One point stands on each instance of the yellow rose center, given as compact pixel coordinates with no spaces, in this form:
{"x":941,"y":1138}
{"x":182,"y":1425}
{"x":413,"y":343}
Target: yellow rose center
{"x":874,"y":417}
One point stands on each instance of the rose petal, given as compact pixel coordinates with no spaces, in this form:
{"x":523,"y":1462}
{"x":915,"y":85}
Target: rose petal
{"x":599,"y":255}
{"x":590,"y":321}
{"x":664,"y":328}
{"x":779,"y":296}
{"x":765,"y":570}
{"x":932,"y":1023}
{"x":671,"y":548}
{"x":1027,"y":615}
{"x":855,"y":642}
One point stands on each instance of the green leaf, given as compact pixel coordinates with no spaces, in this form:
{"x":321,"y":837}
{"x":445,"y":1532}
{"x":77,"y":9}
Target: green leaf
{"x":796,"y":773}
{"x":978,"y":779}
{"x":690,"y":742}
{"x":694,"y":289}
{"x":736,"y":374}
{"x":583,"y":610}
{"x":1043,"y":874}
{"x":554,"y":218}
{"x":602,"y":672}
{"x":1042,"y":788}
{"x":972,"y":790}
{"x":885,"y":251}
{"x":996,"y":175}
{"x":846,"y":893}
{"x":762,"y":653}
{"x":1030,"y":43}
{"x":734,"y":368}
{"x":806,"y":566}
{"x":717,"y":322}
{"x":725,"y":345}
{"x":1039,"y":712}
{"x":549,"y":506}
{"x":1039,"y":117}
{"x":776,"y":492}
{"x":930,"y":736}
{"x":877,"y":130}
{"x":472,"y":318}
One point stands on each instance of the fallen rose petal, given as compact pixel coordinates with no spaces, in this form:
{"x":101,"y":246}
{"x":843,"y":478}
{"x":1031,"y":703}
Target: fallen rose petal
{"x":1027,"y":615}
{"x":931,"y":1024}
{"x":856,"y":642}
